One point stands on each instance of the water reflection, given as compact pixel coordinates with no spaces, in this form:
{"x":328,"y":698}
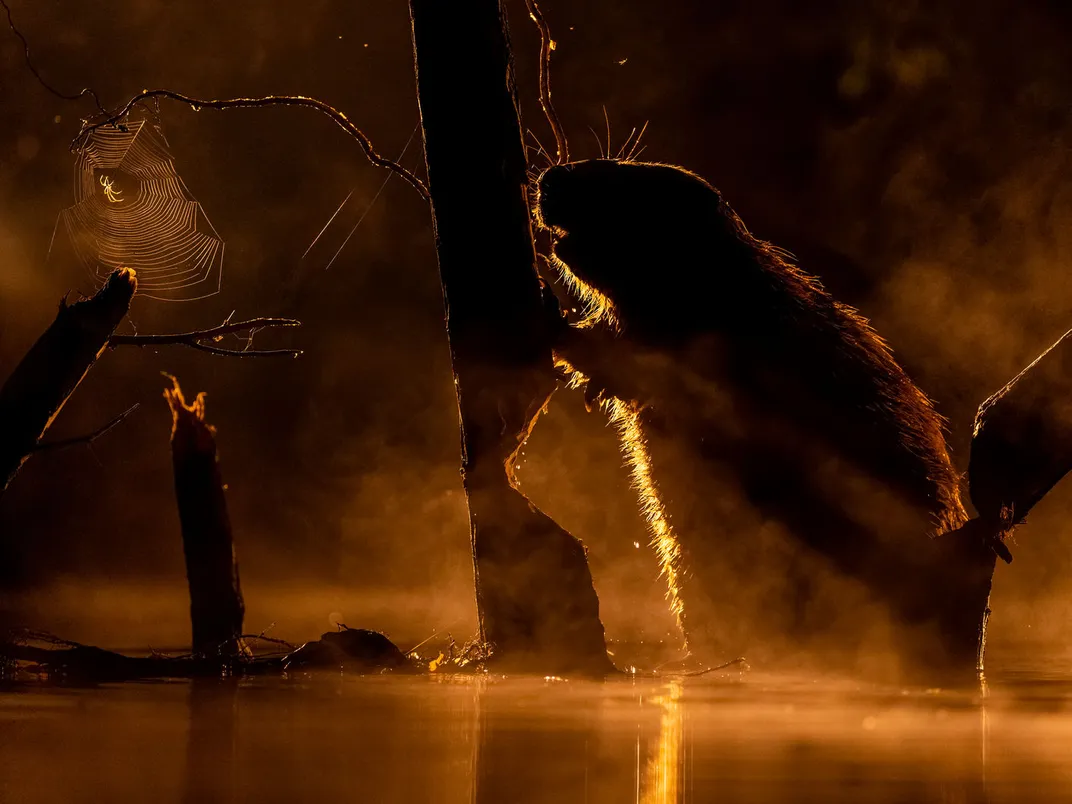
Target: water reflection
{"x":534,"y":742}
{"x":661,"y":779}
{"x":210,"y":744}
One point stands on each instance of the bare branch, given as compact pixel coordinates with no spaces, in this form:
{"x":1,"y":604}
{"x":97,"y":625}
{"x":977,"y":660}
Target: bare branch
{"x":215,"y":350}
{"x":46,"y":446}
{"x":340,"y":119}
{"x":547,"y":44}
{"x":114,"y":118}
{"x":33,"y":68}
{"x":195,"y":340}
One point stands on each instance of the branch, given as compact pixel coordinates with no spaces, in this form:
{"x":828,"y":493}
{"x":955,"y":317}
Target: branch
{"x":340,"y":119}
{"x":194,"y":340}
{"x":46,"y":446}
{"x":547,"y":44}
{"x":33,"y":68}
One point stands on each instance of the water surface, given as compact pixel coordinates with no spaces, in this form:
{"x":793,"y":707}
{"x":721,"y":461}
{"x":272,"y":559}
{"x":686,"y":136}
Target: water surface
{"x":731,"y":738}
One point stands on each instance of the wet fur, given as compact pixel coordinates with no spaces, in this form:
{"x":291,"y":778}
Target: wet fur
{"x":761,"y":388}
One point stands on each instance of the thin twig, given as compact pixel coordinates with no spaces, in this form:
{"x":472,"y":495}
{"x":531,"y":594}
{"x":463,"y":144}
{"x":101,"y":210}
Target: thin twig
{"x":740,"y":660}
{"x":547,"y":44}
{"x":290,"y":646}
{"x":340,"y":119}
{"x":194,"y":340}
{"x":216,"y":350}
{"x":33,"y":69}
{"x":422,"y":643}
{"x":90,"y":437}
{"x":184,"y":338}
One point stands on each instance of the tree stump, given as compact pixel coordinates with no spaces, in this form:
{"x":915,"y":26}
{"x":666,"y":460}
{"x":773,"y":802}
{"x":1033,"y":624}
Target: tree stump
{"x":216,"y":608}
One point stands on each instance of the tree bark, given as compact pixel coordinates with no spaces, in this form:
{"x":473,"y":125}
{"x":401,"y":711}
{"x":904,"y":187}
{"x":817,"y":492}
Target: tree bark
{"x":537,"y":605}
{"x":46,"y":377}
{"x":216,"y":608}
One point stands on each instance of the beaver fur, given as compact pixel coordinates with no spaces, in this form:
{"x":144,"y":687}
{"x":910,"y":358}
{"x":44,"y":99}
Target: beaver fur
{"x":796,"y":475}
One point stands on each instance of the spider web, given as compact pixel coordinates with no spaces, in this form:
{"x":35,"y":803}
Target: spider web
{"x":133,"y":210}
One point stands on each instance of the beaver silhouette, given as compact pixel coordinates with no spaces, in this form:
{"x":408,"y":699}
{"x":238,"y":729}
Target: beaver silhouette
{"x":796,"y":479}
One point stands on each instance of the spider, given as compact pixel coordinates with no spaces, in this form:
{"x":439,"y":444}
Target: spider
{"x":110,"y":192}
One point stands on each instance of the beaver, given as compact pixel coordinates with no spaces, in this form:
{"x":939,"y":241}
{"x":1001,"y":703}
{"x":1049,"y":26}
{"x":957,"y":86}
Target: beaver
{"x":795,"y":477}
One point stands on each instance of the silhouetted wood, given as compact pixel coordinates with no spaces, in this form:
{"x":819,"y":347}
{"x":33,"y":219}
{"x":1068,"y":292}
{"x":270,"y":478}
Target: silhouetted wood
{"x":953,"y":604}
{"x":538,"y":608}
{"x":46,"y":377}
{"x":352,"y":649}
{"x":1022,"y":444}
{"x":1021,"y":448}
{"x":44,"y":380}
{"x":216,"y":608}
{"x":204,"y":339}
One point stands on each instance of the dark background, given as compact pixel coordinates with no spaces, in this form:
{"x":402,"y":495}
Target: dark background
{"x":914,"y":155}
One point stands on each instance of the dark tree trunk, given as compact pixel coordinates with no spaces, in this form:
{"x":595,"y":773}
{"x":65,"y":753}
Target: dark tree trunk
{"x":1022,"y":445}
{"x":538,"y":608}
{"x":956,"y":605}
{"x":216,"y":608}
{"x":1021,"y":448}
{"x":49,"y":373}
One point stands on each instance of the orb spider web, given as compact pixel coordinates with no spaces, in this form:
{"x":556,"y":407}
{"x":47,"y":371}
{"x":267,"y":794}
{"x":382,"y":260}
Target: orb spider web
{"x":133,"y":210}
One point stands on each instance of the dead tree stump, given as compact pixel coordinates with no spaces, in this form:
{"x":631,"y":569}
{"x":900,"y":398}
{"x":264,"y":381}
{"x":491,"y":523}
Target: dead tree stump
{"x":1022,"y":444}
{"x":46,"y":377}
{"x":538,"y":607}
{"x":216,"y":608}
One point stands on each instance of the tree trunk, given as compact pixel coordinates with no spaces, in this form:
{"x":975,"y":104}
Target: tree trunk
{"x":46,"y":377}
{"x":1022,"y":445}
{"x":1021,"y":448}
{"x":538,"y":608}
{"x":216,"y":608}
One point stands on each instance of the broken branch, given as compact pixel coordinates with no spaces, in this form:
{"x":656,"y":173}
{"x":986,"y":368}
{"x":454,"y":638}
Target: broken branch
{"x":216,"y":606}
{"x":45,"y":378}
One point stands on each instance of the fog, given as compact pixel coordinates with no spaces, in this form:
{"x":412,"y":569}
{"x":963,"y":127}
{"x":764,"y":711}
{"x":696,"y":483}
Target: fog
{"x":915,"y":156}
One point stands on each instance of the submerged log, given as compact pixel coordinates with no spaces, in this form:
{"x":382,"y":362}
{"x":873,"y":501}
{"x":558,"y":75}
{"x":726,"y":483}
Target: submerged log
{"x":216,"y":608}
{"x":354,"y":650}
{"x":46,"y":377}
{"x":537,"y":604}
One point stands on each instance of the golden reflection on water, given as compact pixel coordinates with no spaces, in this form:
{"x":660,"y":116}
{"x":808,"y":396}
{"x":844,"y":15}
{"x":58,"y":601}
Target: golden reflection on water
{"x":662,"y":775}
{"x":456,"y":740}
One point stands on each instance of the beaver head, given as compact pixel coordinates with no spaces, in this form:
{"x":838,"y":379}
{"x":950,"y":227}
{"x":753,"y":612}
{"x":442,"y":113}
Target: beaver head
{"x":650,"y":239}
